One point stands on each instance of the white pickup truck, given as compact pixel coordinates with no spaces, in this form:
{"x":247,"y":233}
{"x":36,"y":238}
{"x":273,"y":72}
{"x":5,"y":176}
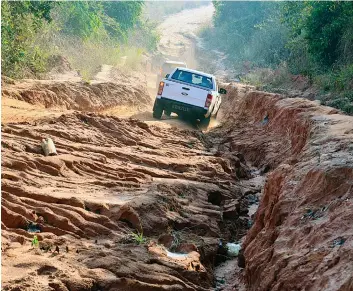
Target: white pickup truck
{"x":190,"y":93}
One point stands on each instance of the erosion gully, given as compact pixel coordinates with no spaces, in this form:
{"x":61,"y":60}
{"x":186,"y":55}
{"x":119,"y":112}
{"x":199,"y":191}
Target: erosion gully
{"x":133,"y":205}
{"x":123,"y":206}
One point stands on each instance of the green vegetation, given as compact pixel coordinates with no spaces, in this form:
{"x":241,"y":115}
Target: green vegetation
{"x":269,"y":42}
{"x":35,"y":242}
{"x":20,"y":21}
{"x":87,"y":33}
{"x":138,"y":238}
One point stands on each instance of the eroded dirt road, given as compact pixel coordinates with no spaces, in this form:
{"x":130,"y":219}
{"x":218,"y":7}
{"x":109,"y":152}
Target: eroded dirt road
{"x":131,"y":204}
{"x":112,"y":180}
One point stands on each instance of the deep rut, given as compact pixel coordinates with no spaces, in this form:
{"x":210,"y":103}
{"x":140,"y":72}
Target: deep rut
{"x":111,"y":178}
{"x":133,"y":206}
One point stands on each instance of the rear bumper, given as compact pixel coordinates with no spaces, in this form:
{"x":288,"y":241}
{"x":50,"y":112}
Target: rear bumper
{"x":181,"y":108}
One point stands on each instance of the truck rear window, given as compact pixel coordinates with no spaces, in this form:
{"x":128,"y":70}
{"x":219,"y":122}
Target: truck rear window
{"x":192,"y":78}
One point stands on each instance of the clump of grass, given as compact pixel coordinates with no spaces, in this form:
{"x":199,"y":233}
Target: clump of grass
{"x":279,"y":77}
{"x":138,"y":237}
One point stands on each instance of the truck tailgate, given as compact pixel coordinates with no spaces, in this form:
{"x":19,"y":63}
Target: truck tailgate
{"x":185,"y":93}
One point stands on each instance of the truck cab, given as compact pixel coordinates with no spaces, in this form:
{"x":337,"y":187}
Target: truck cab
{"x":190,"y":93}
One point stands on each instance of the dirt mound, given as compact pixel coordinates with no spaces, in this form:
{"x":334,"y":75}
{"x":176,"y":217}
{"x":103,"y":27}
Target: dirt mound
{"x":111,"y":178}
{"x":302,"y":235}
{"x":84,"y":96}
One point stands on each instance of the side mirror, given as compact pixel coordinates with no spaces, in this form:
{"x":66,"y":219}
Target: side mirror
{"x":167,"y":76}
{"x":222,"y":91}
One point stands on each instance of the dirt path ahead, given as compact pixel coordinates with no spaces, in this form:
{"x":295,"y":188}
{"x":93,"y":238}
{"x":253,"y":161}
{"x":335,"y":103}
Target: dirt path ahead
{"x":178,"y":43}
{"x":178,"y":34}
{"x":112,"y":91}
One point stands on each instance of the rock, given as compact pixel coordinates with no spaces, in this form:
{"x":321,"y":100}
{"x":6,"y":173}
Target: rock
{"x":166,"y":240}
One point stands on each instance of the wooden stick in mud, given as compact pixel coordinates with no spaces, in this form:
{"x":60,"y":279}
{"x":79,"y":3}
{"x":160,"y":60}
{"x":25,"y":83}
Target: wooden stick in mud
{"x":48,"y":147}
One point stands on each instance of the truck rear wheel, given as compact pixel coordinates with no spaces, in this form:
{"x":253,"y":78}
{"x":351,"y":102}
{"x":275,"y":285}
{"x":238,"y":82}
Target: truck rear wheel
{"x":205,"y":122}
{"x":157,"y":110}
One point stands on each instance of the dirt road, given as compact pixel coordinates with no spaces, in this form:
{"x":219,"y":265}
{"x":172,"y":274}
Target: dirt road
{"x":177,"y":42}
{"x":112,"y":180}
{"x":137,"y":204}
{"x":178,"y":34}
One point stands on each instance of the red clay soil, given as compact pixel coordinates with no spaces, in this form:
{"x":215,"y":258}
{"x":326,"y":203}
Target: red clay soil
{"x":117,"y":89}
{"x":182,"y":190}
{"x":112,"y":178}
{"x":302,"y":237}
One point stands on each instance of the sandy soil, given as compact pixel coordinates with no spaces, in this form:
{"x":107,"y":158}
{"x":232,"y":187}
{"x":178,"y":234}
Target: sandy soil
{"x":301,"y":238}
{"x":14,"y":111}
{"x":126,"y":176}
{"x":178,"y":34}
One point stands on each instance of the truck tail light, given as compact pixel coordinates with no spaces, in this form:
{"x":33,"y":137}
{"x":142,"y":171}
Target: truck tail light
{"x":208,"y":100}
{"x":160,"y":89}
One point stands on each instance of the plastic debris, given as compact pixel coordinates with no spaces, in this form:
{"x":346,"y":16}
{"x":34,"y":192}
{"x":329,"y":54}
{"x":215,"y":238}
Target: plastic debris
{"x":314,"y":214}
{"x":338,"y":241}
{"x":250,"y":223}
{"x":35,"y":242}
{"x":176,"y":255}
{"x":233,"y":249}
{"x":48,"y":147}
{"x":265,"y":120}
{"x":221,"y":281}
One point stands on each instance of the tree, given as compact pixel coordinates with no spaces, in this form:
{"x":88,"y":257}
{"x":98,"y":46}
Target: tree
{"x":250,"y":31}
{"x":19,"y":22}
{"x":321,"y":25}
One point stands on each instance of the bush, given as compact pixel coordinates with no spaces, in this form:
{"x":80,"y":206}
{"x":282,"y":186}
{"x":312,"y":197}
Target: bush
{"x":19,"y":23}
{"x":271,"y":78}
{"x":87,"y":33}
{"x":144,"y":36}
{"x":268,"y":42}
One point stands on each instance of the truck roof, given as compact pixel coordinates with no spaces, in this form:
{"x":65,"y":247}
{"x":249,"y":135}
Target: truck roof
{"x":174,"y":63}
{"x":195,"y":72}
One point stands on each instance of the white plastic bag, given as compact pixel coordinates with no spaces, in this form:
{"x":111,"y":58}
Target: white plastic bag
{"x":233,"y":249}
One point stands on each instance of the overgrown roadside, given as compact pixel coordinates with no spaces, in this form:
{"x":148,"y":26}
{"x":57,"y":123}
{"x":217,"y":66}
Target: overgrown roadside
{"x":300,"y":49}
